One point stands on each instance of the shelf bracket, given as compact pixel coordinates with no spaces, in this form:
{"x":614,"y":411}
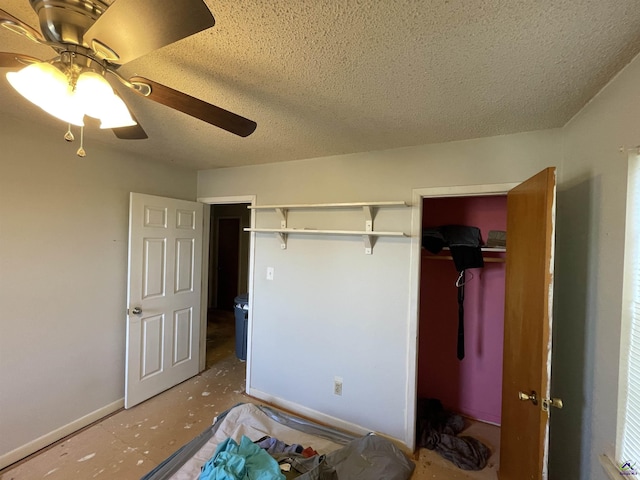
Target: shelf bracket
{"x":368,"y":218}
{"x":368,"y":244}
{"x":283,"y":239}
{"x":283,"y":216}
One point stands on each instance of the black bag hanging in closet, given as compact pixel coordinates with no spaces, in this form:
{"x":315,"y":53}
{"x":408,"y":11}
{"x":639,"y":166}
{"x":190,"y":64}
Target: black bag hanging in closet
{"x":460,"y":285}
{"x":465,"y":244}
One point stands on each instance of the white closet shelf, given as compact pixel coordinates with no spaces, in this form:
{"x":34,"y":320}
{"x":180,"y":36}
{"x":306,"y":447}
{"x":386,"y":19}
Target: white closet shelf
{"x":329,"y":205}
{"x":484,"y":249}
{"x":487,"y":249}
{"x":449,"y":257}
{"x":368,"y":210}
{"x":326,"y":232}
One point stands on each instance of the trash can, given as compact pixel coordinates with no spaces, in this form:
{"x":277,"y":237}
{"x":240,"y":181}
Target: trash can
{"x":242,"y":319}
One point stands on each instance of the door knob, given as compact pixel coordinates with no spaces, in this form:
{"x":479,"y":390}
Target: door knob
{"x":136,"y":311}
{"x":531,"y":397}
{"x":551,"y":402}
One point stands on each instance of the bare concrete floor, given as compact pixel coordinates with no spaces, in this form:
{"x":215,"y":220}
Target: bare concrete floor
{"x":130,"y":443}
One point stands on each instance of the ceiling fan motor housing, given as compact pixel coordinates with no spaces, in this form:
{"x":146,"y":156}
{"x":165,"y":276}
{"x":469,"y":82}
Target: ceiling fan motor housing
{"x":66,"y":21}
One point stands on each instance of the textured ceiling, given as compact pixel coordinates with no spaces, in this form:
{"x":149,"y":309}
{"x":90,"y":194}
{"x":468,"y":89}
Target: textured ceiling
{"x":325,"y":77}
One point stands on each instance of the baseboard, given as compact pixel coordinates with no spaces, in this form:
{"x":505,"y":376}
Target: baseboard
{"x":59,"y":433}
{"x":324,"y":419}
{"x":309,"y":413}
{"x":476,"y":419}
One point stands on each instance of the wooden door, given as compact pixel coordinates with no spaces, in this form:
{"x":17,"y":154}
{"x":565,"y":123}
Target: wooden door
{"x":524,"y":437}
{"x":163,"y":295}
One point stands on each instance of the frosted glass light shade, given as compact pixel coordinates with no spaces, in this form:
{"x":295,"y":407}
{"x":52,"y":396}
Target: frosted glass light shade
{"x":117,"y":115}
{"x":48,"y":88}
{"x":99,"y":101}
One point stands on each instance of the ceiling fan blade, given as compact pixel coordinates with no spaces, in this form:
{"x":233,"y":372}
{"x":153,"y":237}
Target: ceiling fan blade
{"x":132,"y":28}
{"x":135,"y":132}
{"x":16,"y":25}
{"x":15,"y":60}
{"x":204,"y":111}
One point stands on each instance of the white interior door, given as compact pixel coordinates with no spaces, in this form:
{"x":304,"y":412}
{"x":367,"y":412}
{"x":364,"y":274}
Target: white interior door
{"x":163,"y":295}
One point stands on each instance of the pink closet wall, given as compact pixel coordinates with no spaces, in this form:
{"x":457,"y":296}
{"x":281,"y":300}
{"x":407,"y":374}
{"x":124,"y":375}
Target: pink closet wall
{"x":472,"y":386}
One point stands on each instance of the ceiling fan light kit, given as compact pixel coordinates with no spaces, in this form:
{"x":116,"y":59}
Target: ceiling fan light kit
{"x":59,"y":95}
{"x":93,"y":39}
{"x":45,"y":86}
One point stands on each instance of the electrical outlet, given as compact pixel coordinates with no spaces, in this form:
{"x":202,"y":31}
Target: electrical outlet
{"x":337,"y":386}
{"x":269,"y":273}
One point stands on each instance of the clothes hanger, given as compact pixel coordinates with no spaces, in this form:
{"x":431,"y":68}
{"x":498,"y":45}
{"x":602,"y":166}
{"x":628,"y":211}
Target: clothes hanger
{"x":462,"y":280}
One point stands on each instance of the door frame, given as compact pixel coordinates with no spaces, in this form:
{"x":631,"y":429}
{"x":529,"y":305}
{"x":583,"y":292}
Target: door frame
{"x":418,"y":195}
{"x":206,"y":239}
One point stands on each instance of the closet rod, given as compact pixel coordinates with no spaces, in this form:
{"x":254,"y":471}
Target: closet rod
{"x":448,"y":257}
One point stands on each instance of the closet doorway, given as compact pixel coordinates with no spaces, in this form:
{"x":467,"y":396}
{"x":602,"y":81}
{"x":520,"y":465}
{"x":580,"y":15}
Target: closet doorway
{"x":471,"y":386}
{"x":461,"y":322}
{"x":525,"y":395}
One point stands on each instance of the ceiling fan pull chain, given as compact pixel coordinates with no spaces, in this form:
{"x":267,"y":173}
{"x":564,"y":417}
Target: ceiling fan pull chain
{"x":81,"y":152}
{"x":69,"y":136}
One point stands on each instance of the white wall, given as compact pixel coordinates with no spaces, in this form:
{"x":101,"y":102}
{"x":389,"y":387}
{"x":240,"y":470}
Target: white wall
{"x":332,"y":310}
{"x":63,"y":263}
{"x":591,"y":220}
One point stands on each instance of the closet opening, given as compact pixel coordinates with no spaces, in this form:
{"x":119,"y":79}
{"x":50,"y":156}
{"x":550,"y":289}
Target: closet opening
{"x":460,"y":334}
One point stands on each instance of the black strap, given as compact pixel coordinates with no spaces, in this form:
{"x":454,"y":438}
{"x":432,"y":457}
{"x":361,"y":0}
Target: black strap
{"x":461,"y":281}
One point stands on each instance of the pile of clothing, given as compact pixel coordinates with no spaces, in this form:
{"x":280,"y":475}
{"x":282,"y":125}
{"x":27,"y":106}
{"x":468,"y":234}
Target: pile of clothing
{"x":273,"y":446}
{"x":367,"y":458}
{"x":240,"y":461}
{"x":438,"y":429}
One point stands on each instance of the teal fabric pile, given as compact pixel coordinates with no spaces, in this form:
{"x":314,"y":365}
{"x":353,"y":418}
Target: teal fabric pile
{"x":244,"y":461}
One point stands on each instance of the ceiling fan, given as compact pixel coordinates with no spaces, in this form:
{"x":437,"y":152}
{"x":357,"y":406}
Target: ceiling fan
{"x":92,"y":40}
